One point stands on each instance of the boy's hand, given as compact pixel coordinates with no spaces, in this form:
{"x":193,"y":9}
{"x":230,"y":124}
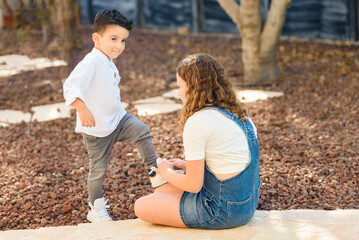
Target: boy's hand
{"x":86,"y":117}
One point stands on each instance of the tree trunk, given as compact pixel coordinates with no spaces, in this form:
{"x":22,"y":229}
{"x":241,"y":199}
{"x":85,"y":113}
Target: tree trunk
{"x":269,"y":68}
{"x":250,"y":32}
{"x":66,"y":25}
{"x":270,"y":37}
{"x":1,"y":17}
{"x":259,"y":46}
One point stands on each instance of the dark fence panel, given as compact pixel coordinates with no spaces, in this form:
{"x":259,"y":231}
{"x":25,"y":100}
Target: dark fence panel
{"x":303,"y":19}
{"x":168,"y":14}
{"x":85,"y":11}
{"x":127,"y":7}
{"x":215,"y":19}
{"x":331,"y":19}
{"x":337,"y":19}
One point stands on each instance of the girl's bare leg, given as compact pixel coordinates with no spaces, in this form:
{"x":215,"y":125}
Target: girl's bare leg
{"x":168,"y":188}
{"x":161,"y":207}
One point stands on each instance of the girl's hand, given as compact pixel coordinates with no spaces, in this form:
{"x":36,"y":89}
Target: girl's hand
{"x":163,"y":167}
{"x":178,"y":164}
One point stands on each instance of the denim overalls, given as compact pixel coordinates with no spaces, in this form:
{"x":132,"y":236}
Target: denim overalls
{"x":228,"y":203}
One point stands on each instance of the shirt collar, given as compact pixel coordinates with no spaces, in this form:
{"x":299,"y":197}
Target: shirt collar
{"x":101,"y":55}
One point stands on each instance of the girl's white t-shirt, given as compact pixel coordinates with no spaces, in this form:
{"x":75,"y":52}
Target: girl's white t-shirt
{"x":210,"y":135}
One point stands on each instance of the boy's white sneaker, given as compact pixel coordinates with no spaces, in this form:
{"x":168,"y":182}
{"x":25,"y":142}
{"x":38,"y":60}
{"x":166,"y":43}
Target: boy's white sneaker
{"x":156,"y":179}
{"x":97,"y":211}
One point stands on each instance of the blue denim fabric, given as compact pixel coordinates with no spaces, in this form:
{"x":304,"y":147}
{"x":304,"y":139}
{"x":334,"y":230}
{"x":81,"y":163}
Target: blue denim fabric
{"x":228,"y":203}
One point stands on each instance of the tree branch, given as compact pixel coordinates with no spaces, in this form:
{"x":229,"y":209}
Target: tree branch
{"x":273,"y":27}
{"x":7,"y":6}
{"x":233,"y":11}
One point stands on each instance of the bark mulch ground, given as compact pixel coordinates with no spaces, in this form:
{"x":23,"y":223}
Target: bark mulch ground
{"x":309,"y":137}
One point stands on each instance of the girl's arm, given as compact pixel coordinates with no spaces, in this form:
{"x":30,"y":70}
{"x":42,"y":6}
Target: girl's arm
{"x":192,"y":181}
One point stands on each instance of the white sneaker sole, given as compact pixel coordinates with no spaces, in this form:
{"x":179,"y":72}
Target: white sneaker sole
{"x":90,"y":219}
{"x":93,"y":220}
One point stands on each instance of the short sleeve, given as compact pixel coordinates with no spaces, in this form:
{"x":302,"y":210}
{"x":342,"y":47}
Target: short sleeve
{"x":194,"y":139}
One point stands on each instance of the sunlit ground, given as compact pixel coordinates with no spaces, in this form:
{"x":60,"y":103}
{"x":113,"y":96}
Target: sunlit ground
{"x":14,"y":64}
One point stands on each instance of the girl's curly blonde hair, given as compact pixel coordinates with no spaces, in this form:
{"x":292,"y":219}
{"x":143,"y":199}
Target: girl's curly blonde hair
{"x":207,"y":85}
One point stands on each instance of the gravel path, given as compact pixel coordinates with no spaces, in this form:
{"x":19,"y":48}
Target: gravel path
{"x":309,"y":137}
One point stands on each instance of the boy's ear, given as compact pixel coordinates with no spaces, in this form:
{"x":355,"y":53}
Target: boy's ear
{"x":95,"y":38}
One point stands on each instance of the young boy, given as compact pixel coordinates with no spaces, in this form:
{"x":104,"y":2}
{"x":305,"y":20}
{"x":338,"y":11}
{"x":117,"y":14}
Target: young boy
{"x":92,"y":89}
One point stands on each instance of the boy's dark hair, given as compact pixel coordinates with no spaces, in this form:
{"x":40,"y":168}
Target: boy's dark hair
{"x":110,"y":17}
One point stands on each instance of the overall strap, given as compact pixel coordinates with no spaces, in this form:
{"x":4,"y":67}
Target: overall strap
{"x":247,"y":128}
{"x":231,"y":116}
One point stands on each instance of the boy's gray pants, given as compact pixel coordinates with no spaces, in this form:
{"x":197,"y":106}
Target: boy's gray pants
{"x":99,"y":151}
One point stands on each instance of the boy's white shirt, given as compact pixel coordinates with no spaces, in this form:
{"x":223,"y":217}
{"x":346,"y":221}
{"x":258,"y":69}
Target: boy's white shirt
{"x":95,"y":81}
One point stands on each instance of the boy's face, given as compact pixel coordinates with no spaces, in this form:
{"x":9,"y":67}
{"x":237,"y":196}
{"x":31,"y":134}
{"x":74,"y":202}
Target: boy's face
{"x":111,"y":41}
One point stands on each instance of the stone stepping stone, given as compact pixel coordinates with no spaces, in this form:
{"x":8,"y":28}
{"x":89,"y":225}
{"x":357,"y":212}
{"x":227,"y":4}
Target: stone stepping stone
{"x":13,"y":116}
{"x":156,"y":105}
{"x":164,"y":104}
{"x":14,"y":63}
{"x":243,"y":95}
{"x":255,"y":95}
{"x":50,"y":112}
{"x":287,"y":224}
{"x":41,"y":113}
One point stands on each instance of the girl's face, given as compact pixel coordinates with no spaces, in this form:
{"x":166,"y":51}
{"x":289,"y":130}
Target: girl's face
{"x":182,"y":88}
{"x":112,"y":41}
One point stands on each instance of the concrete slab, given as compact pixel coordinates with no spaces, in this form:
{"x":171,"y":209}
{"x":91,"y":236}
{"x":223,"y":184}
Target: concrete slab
{"x":291,"y":224}
{"x":159,"y":99}
{"x":124,"y":105}
{"x":14,"y":63}
{"x":41,"y":113}
{"x":151,"y":106}
{"x":53,"y":233}
{"x":255,"y":95}
{"x":344,"y":216}
{"x":158,"y":108}
{"x":172,"y":94}
{"x":156,"y":105}
{"x":41,"y":63}
{"x":243,"y":95}
{"x":50,"y":112}
{"x":13,"y":116}
{"x":3,"y":124}
{"x":163,"y":104}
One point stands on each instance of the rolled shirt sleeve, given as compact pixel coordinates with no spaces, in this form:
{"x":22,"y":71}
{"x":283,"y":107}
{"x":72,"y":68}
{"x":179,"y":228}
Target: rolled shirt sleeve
{"x":78,"y":81}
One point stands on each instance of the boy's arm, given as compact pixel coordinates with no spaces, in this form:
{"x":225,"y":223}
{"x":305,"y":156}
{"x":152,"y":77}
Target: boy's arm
{"x":86,"y":117}
{"x":74,"y":87}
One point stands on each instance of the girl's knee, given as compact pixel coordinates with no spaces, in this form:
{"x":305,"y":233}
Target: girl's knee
{"x":144,"y":207}
{"x":139,"y":207}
